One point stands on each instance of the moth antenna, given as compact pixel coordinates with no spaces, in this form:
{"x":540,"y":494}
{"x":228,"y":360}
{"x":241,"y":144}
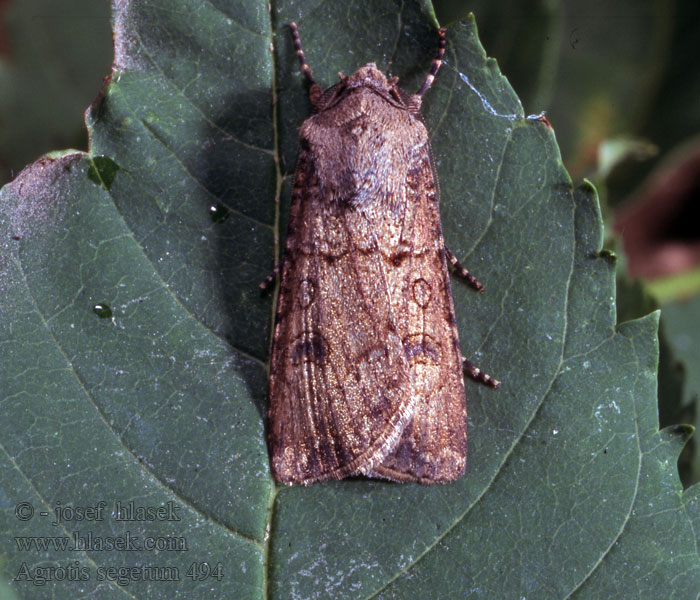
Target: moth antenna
{"x":315,"y":90}
{"x":437,"y":62}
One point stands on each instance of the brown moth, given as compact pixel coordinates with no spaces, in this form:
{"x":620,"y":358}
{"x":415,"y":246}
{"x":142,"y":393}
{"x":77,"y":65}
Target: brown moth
{"x":366,"y":375}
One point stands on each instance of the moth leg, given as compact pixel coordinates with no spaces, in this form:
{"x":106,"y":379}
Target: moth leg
{"x":462,"y":272}
{"x":477,"y":374}
{"x":470,"y":369}
{"x":416,"y":100}
{"x":270,"y":279}
{"x":315,"y":90}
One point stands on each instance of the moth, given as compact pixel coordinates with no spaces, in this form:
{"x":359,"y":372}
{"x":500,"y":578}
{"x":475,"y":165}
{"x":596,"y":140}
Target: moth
{"x":366,"y":373}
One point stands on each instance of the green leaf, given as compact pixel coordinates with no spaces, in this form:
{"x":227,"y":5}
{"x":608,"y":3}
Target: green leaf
{"x":570,"y":487}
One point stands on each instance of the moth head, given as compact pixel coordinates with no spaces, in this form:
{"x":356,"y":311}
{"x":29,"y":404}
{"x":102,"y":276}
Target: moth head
{"x":368,"y":76}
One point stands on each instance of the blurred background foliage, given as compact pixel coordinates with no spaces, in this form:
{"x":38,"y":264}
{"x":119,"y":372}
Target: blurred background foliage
{"x":620,"y":84}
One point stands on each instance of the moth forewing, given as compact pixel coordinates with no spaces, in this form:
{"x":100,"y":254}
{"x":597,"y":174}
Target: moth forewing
{"x":366,"y":372}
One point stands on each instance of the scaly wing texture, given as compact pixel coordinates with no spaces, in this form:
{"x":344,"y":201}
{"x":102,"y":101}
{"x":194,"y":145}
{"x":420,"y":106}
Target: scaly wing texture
{"x":340,"y":391}
{"x":432,"y":447}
